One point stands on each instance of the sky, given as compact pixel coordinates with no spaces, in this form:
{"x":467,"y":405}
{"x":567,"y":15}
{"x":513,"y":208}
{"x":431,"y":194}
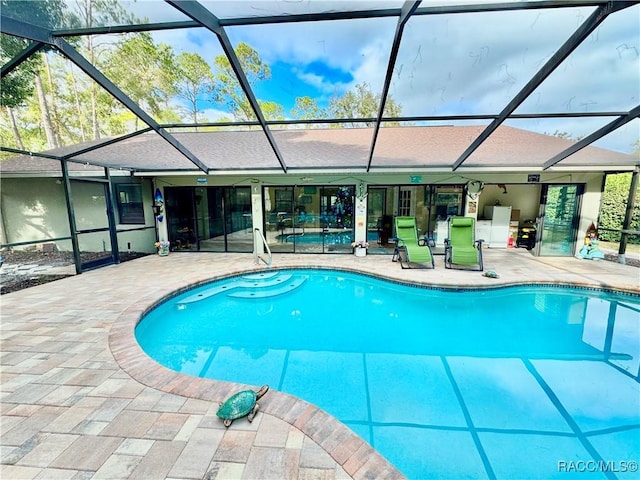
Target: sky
{"x":446,"y":65}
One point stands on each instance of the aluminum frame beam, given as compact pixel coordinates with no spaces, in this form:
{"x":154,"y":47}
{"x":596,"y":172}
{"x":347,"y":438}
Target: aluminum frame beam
{"x":32,"y":48}
{"x":200,"y":14}
{"x":43,"y":38}
{"x":586,"y":141}
{"x":329,"y":16}
{"x":72,"y":54}
{"x":581,"y":34}
{"x":32,"y":32}
{"x":408,"y":8}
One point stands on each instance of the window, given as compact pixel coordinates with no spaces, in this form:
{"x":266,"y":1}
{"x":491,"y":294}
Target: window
{"x":130,"y":209}
{"x":405,"y":207}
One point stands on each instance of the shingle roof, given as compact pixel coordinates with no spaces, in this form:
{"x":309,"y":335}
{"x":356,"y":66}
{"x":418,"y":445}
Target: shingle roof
{"x":334,"y":148}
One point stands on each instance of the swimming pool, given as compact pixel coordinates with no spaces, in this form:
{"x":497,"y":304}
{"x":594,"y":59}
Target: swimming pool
{"x":505,"y":383}
{"x":328,"y":238}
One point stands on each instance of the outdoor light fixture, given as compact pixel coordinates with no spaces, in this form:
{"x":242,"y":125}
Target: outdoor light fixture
{"x":503,"y":187}
{"x":158,"y":207}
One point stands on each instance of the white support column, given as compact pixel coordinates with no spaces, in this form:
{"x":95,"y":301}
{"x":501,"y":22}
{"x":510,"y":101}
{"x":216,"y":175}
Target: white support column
{"x":256,"y":215}
{"x":361,"y":212}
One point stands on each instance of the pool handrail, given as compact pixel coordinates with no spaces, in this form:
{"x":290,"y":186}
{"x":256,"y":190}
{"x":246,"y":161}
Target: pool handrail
{"x":259,"y":239}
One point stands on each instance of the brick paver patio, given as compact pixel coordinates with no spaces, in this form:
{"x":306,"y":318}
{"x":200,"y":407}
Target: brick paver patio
{"x":80,"y":399}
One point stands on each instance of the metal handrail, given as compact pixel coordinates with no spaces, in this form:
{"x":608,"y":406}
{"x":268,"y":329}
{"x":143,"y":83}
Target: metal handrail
{"x":257,"y":256}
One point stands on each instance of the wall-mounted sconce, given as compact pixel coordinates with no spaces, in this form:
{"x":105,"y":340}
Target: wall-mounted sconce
{"x":158,"y":208}
{"x":361,"y":191}
{"x":503,"y":187}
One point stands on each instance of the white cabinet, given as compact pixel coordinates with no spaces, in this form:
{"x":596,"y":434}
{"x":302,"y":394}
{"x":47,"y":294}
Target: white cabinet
{"x":497,"y":221}
{"x":483,"y":231}
{"x":442,"y":232}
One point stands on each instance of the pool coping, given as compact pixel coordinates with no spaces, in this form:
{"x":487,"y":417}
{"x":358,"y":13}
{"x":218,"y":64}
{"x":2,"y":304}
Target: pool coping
{"x":354,"y":454}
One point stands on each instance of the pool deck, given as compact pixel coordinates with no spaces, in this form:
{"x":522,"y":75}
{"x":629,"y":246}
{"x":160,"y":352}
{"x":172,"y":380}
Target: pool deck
{"x":80,"y":399}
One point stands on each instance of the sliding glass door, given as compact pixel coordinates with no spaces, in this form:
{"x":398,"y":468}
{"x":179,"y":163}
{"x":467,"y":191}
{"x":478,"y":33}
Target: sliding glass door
{"x":558,"y":220}
{"x":211,"y":219}
{"x":309,"y":219}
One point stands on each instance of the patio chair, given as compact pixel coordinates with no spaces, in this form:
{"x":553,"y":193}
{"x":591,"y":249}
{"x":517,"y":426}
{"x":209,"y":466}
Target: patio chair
{"x":461,"y":249}
{"x":411,"y":251}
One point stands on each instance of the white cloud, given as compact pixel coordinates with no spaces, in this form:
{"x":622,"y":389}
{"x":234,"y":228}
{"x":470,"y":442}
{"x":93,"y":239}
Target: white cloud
{"x":449,"y":64}
{"x":213,"y":115}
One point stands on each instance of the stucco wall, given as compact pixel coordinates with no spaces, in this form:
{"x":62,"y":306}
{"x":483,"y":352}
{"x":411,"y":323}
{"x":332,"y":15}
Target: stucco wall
{"x":33,"y":209}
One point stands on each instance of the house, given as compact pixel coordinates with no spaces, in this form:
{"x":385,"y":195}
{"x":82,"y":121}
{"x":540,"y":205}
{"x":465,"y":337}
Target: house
{"x":465,"y":143}
{"x":328,"y":196}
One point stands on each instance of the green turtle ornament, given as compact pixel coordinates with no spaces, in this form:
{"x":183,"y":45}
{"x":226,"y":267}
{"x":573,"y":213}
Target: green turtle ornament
{"x":491,"y":274}
{"x":243,"y":403}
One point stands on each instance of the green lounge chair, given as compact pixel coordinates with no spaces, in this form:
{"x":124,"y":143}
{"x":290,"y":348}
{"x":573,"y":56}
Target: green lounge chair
{"x":461,"y":249}
{"x":410,"y":251}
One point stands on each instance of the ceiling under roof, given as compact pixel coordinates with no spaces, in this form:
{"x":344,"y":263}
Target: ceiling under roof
{"x":562,"y":68}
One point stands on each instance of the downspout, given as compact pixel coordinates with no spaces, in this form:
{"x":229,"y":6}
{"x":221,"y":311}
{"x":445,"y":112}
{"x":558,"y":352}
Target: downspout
{"x":626,"y":224}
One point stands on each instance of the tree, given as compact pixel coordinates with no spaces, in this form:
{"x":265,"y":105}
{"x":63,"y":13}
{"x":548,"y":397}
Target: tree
{"x":91,"y":13}
{"x":307,"y":108}
{"x":18,"y":86}
{"x":229,"y":90}
{"x":362,"y":103}
{"x":194,"y":82}
{"x":612,"y":210}
{"x":272,"y":110}
{"x":565,"y":136}
{"x":144,"y":71}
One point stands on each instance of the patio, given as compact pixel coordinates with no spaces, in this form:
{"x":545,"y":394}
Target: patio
{"x":81,"y":400}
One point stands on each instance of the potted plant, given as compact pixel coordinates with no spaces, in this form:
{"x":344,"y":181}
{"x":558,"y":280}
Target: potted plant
{"x":360,"y":248}
{"x":163,"y":247}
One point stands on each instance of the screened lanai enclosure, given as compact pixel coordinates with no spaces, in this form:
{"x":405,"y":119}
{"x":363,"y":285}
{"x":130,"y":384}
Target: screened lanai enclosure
{"x":198,"y":122}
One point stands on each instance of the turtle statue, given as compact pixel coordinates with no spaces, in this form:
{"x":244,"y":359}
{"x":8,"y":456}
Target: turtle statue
{"x":240,"y":404}
{"x":491,"y":274}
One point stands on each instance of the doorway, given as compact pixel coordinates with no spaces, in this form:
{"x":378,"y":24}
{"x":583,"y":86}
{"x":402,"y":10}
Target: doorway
{"x":558,"y":220}
{"x":209,"y":219}
{"x":94,"y":222}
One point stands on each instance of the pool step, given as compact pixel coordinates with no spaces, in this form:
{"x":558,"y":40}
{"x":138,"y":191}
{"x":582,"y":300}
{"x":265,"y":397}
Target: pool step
{"x":284,"y":287}
{"x":210,"y":292}
{"x":264,"y":283}
{"x":252,"y":286}
{"x":261,"y":276}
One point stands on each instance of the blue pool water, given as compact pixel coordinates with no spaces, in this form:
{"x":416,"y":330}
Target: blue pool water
{"x":518,"y":382}
{"x":328,"y":238}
